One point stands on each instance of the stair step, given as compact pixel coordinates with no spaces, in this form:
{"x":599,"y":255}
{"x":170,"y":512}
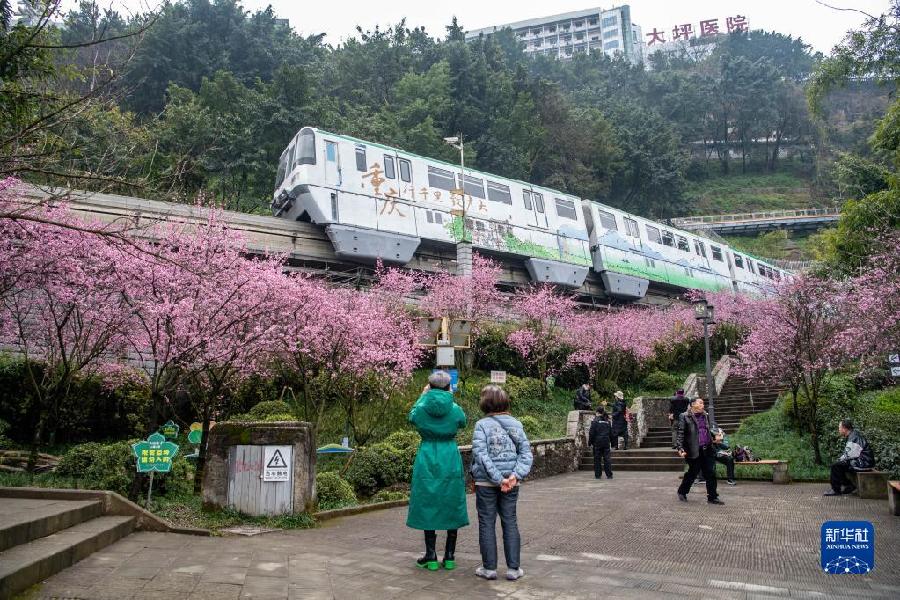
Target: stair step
{"x":638,"y":467}
{"x":22,"y":521}
{"x":27,"y":564}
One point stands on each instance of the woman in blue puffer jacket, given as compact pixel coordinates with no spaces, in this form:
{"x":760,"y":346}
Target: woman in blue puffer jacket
{"x":501,"y":458}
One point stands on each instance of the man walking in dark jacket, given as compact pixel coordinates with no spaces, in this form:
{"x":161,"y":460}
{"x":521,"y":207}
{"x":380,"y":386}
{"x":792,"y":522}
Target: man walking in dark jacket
{"x":857,"y":456}
{"x":696,"y":444}
{"x":677,"y":405}
{"x":583,"y":398}
{"x":599,"y":439}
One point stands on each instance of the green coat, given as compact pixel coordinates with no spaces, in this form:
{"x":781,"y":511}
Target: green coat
{"x":437,"y":498}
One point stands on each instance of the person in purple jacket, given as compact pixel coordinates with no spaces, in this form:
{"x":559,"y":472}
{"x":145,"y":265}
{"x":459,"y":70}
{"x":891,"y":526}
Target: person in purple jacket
{"x":696,"y":445}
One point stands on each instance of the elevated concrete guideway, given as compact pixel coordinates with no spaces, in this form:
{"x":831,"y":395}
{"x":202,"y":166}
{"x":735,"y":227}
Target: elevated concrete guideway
{"x":308,"y":248}
{"x":758,"y":222}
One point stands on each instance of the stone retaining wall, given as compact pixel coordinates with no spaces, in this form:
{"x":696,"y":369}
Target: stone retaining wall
{"x":551,"y":457}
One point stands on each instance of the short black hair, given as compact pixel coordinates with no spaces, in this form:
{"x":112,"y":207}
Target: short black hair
{"x":847,"y":424}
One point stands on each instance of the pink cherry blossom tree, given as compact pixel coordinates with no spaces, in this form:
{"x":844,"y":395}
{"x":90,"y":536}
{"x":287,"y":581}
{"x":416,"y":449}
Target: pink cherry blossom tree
{"x":543,"y":314}
{"x":795,"y":339}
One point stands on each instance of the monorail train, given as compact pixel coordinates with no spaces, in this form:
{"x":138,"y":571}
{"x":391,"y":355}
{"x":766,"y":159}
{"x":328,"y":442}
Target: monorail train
{"x":378,"y":202}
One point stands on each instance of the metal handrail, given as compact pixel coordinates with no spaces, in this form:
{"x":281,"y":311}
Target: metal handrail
{"x":758,"y":216}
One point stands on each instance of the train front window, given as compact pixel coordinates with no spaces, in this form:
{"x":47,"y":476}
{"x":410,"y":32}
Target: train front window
{"x":282,"y":169}
{"x":306,"y":144}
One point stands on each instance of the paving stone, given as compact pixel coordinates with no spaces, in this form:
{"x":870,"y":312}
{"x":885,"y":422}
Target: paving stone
{"x":216,"y":591}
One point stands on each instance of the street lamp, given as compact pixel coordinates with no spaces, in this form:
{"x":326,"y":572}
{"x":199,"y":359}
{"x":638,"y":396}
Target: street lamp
{"x":463,"y":245}
{"x":703,"y":312}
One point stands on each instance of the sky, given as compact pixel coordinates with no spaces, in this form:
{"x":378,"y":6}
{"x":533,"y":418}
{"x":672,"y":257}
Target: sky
{"x":818,"y":25}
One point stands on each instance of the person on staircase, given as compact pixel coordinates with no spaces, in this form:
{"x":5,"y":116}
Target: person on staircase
{"x":695,"y":444}
{"x":620,"y":419}
{"x":599,"y":439}
{"x":583,"y":397}
{"x":677,"y":405}
{"x":857,"y":456}
{"x":437,"y":497}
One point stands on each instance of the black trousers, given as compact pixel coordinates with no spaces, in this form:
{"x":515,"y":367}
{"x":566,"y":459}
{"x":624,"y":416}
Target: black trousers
{"x":616,"y":436}
{"x":705,"y":463}
{"x":839,"y":479}
{"x":602,"y":453}
{"x":728,"y":461}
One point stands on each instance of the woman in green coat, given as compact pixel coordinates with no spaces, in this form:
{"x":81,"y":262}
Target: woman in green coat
{"x":437,"y":498}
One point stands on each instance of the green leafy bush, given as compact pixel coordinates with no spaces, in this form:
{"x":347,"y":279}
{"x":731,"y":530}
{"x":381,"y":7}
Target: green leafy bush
{"x":887,"y":402}
{"x":379,"y":466}
{"x":532,"y":426}
{"x":389,"y":496}
{"x":5,"y":442}
{"x":522,"y":390}
{"x":112,"y":467}
{"x":268,"y":408}
{"x":658,"y":380}
{"x":280,"y":417}
{"x":333,"y":491}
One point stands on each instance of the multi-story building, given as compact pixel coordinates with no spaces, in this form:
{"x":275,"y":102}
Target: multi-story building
{"x":585,"y":31}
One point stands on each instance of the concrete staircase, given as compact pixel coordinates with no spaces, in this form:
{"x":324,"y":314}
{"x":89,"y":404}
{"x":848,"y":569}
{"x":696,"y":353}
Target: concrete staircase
{"x":40,"y":537}
{"x":739,"y":399}
{"x":638,"y":459}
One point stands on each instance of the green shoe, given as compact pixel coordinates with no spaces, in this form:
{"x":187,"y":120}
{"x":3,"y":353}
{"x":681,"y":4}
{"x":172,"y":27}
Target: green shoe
{"x":449,"y":564}
{"x":431,"y":565}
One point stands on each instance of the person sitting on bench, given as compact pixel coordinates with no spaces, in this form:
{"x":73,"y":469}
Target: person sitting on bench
{"x":857,"y":456}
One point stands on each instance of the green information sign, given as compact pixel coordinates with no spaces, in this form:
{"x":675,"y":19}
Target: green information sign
{"x":154,"y":454}
{"x":170,"y":430}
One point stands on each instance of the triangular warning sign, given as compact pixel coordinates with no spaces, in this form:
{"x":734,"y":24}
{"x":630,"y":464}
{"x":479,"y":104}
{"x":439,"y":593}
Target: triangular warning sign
{"x":277,"y":461}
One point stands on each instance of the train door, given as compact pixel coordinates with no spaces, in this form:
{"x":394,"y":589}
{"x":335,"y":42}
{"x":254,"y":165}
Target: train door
{"x":404,"y":170}
{"x":534,"y":205}
{"x":332,"y":164}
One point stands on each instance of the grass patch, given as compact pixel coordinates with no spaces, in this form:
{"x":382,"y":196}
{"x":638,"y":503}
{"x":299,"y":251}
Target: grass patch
{"x":771,"y":437}
{"x":749,"y":193}
{"x":187,"y":511}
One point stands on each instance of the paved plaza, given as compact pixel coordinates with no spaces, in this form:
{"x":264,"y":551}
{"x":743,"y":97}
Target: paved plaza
{"x":624,"y":538}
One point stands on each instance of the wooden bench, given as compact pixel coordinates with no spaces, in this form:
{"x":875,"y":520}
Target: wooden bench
{"x":893,"y":490}
{"x":870,"y":484}
{"x":780,"y":473}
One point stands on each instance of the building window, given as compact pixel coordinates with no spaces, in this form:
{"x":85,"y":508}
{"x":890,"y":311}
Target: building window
{"x":717,"y":253}
{"x":610,"y":33}
{"x":360,"y":158}
{"x":738,"y":261}
{"x":668,"y":239}
{"x":498,"y":193}
{"x":592,"y":21}
{"x":389,"y":171}
{"x":441,"y":178}
{"x":474,"y":186}
{"x":610,"y":21}
{"x":607,"y":220}
{"x":578,"y":23}
{"x":631,"y":228}
{"x":653,"y":234}
{"x":566,"y":209}
{"x":613,"y":45}
{"x":405,"y":172}
{"x":683,"y":244}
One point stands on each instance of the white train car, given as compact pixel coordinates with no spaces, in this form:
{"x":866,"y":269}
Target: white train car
{"x":378,"y":202}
